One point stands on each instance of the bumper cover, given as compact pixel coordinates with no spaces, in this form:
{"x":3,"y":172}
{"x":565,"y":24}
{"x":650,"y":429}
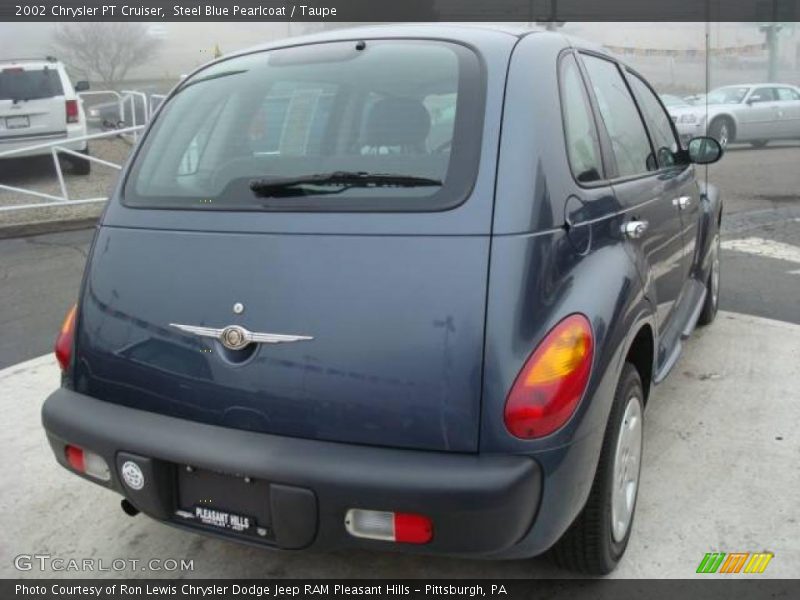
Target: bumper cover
{"x":479,"y":504}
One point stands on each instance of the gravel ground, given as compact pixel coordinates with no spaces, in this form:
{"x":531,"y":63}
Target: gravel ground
{"x":39,"y":175}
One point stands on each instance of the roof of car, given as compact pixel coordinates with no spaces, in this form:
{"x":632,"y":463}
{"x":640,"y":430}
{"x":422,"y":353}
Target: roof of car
{"x":31,"y":62}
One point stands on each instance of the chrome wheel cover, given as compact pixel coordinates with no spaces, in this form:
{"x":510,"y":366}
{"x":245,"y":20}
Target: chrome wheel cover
{"x":627,"y":459}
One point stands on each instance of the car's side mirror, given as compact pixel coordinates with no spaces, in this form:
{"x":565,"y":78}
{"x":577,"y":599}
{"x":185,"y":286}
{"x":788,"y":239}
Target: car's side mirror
{"x":704,"y":150}
{"x":82,"y":86}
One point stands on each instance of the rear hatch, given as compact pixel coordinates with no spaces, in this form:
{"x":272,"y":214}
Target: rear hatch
{"x":217,"y":225}
{"x":31,"y":102}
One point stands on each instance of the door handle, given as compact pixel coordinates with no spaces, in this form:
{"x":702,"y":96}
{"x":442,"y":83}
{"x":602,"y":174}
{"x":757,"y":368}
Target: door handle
{"x":635,"y":229}
{"x":682,"y":202}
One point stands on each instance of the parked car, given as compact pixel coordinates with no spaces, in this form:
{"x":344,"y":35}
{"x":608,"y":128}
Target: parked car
{"x":684,"y":115}
{"x":751,"y":113}
{"x":39,"y":104}
{"x":330,"y":305}
{"x":671,"y":100}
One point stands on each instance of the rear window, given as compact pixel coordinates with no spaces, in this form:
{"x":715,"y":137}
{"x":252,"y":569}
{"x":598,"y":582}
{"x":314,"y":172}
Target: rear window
{"x":406,"y":114}
{"x":19,"y":84}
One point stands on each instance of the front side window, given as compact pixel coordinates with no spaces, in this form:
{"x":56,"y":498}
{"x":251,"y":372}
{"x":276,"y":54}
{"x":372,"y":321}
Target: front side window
{"x":580,"y":133}
{"x":392,"y":125}
{"x":658,"y":121}
{"x":629,"y":140}
{"x":766,"y":94}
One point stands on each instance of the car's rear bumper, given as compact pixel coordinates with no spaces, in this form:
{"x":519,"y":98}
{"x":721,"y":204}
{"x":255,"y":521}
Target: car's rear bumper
{"x":38,"y":145}
{"x":479,"y":504}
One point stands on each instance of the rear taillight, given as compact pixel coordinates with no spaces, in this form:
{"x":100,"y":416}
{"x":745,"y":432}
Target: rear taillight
{"x":550,"y":385}
{"x":404,"y":528}
{"x":65,"y":339}
{"x":72,"y":111}
{"x":88,"y":463}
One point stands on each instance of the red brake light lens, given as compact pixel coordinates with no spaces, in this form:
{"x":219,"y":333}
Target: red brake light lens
{"x":72,"y":111}
{"x":75,"y":458}
{"x":412,"y":529}
{"x":550,"y":385}
{"x":65,"y":339}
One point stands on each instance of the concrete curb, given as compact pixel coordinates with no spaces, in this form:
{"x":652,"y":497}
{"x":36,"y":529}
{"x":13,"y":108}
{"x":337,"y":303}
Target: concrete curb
{"x":42,"y":227}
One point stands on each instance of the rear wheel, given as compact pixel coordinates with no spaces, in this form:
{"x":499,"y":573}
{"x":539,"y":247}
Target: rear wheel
{"x":596,"y":541}
{"x":711,"y":304}
{"x":81,"y":166}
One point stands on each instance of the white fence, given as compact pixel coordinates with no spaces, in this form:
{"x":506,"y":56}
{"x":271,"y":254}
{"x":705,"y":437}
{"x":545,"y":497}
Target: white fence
{"x":124,"y":99}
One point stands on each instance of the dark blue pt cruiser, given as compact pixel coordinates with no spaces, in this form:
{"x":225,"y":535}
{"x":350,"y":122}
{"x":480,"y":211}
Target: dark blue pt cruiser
{"x":400,"y":287}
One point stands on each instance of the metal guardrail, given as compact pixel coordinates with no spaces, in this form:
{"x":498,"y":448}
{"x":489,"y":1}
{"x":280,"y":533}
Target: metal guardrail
{"x":57,"y":147}
{"x":123,"y":98}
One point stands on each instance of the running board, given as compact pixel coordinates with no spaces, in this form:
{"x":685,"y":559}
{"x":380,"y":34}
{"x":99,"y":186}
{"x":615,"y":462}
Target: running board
{"x":695,"y":297}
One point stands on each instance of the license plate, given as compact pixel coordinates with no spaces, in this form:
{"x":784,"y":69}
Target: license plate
{"x":17,"y":122}
{"x":223,"y":519}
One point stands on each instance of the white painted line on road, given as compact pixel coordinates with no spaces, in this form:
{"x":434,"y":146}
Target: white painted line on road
{"x":765,"y":248}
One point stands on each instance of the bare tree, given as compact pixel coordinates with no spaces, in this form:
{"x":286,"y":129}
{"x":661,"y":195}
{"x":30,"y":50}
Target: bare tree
{"x":105,"y":50}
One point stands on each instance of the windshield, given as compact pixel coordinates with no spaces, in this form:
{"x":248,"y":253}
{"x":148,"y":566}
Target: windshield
{"x":405,"y":108}
{"x":19,"y":84}
{"x":727,"y":95}
{"x":670,"y":100}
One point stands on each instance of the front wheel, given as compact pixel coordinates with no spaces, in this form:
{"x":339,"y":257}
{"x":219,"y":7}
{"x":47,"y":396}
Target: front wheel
{"x":722,"y":131}
{"x":596,"y":541}
{"x":711,"y":304}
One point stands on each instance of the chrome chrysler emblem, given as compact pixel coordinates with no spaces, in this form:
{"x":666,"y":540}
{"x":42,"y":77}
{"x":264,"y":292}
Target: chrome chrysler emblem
{"x":235,"y":337}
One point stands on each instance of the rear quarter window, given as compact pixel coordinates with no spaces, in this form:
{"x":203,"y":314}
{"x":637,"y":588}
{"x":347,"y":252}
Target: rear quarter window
{"x":412,"y":108}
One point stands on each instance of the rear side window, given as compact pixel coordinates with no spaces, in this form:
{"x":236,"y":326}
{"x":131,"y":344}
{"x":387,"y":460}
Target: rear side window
{"x":580,"y":133}
{"x":19,"y":84}
{"x":408,"y":110}
{"x":629,"y":139}
{"x":658,"y":121}
{"x":788,"y":94}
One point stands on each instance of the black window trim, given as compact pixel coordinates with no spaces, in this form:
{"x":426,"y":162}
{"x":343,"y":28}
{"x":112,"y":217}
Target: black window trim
{"x":471,"y":161}
{"x":605,"y":138}
{"x":604,"y":164}
{"x":682,"y":154}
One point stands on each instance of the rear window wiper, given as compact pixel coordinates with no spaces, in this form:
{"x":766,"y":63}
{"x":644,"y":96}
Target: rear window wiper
{"x":285,"y":186}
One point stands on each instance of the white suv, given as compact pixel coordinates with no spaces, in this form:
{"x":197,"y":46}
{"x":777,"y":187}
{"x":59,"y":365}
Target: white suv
{"x":39,"y":104}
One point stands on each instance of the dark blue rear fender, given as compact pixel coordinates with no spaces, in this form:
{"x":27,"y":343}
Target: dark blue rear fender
{"x":536,"y":281}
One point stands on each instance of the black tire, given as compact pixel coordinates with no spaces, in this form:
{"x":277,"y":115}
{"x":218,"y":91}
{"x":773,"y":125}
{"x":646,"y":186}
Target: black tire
{"x":711,"y":304}
{"x":722,"y":130}
{"x":759,"y":143}
{"x":589,"y":545}
{"x":80,"y":166}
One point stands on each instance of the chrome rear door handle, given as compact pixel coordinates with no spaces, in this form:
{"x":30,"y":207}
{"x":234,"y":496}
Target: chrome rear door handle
{"x":635,"y":229}
{"x":682,"y":202}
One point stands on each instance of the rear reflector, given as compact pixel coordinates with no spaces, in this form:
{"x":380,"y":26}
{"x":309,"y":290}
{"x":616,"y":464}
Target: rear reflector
{"x":72,"y":111}
{"x":14,"y":70}
{"x":404,"y":528}
{"x":88,"y":463}
{"x":65,"y":339}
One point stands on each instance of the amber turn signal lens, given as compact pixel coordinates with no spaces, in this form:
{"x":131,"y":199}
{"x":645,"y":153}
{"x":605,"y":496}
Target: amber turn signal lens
{"x":65,"y":339}
{"x":547,"y":390}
